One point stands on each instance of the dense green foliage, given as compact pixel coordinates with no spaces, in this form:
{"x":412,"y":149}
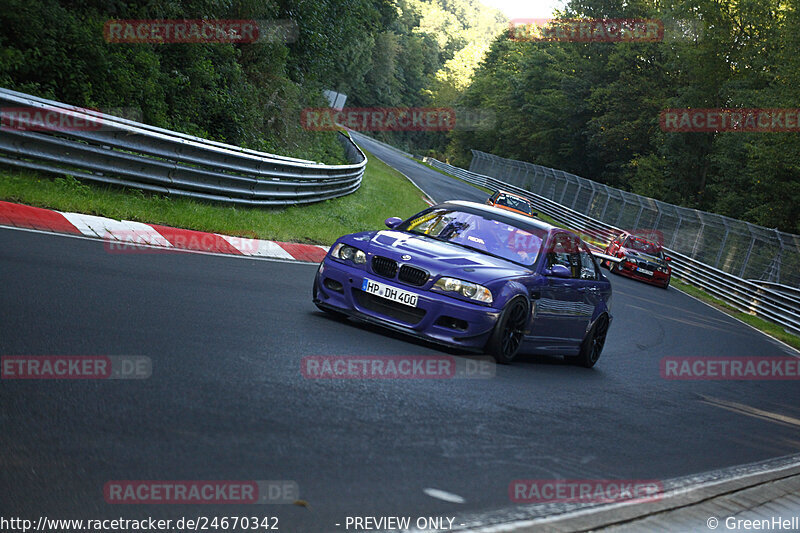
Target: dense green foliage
{"x":377,"y":52}
{"x":246,"y":94}
{"x":425,"y":57}
{"x":593,"y":108}
{"x":588,"y":108}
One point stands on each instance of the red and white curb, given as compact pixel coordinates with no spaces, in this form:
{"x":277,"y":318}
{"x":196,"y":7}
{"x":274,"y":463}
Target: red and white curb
{"x":126,"y":236}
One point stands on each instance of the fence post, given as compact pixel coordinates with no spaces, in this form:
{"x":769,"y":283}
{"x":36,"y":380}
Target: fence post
{"x":542,"y":180}
{"x":722,"y":245}
{"x":605,"y":207}
{"x":591,"y":198}
{"x":621,"y":210}
{"x":697,"y":240}
{"x":655,"y":224}
{"x":564,"y":192}
{"x":747,"y":256}
{"x":677,"y":229}
{"x":638,"y":216}
{"x":778,"y":258}
{"x":577,"y":194}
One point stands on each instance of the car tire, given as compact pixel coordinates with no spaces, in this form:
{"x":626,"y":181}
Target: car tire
{"x":666,"y":285}
{"x":614,"y":268}
{"x":592,"y":345}
{"x":508,"y":333}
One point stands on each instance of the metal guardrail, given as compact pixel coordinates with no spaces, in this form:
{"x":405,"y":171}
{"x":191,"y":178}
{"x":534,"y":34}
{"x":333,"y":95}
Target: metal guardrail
{"x":744,"y":249}
{"x":756,"y":298}
{"x":791,"y":292}
{"x":117,"y":151}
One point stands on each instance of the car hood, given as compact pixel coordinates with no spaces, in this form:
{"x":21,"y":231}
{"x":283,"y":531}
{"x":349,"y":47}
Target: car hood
{"x":438,"y":258}
{"x":647,"y":258}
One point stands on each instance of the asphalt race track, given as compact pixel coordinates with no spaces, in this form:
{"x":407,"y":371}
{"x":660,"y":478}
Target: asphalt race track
{"x":226,"y":399}
{"x":438,"y":186}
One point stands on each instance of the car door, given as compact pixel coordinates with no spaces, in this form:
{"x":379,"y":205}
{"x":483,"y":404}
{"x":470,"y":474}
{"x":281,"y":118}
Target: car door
{"x":590,"y":288}
{"x":558,"y":305}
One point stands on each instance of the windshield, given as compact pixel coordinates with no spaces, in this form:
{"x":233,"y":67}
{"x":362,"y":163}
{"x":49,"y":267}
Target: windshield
{"x":640,"y":245}
{"x":496,"y":237}
{"x":514,"y":203}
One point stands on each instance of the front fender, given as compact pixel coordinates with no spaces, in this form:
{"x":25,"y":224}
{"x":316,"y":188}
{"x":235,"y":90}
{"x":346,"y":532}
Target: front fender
{"x":508,"y":291}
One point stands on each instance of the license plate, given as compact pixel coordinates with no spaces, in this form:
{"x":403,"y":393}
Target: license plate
{"x":644,"y":271}
{"x":389,"y":292}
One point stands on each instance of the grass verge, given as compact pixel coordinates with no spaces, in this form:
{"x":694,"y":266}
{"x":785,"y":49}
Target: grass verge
{"x":384,"y":192}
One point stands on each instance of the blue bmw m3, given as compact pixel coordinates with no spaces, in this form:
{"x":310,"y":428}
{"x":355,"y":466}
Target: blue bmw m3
{"x":473,"y":277}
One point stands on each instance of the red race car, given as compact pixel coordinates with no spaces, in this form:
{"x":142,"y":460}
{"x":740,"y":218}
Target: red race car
{"x":641,"y":259}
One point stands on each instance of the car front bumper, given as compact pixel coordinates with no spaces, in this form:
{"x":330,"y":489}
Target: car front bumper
{"x":437,"y":317}
{"x":658,"y":278}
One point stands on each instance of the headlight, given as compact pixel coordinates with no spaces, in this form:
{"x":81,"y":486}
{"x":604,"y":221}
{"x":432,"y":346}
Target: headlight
{"x":346,"y":252}
{"x":473,"y":291}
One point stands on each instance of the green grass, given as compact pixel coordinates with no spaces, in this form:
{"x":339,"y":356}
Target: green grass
{"x":384,"y":192}
{"x":766,"y":326}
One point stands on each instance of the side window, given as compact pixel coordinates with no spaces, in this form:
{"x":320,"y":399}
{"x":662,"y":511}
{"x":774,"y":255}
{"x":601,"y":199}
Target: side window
{"x":564,"y":251}
{"x":588,"y":267}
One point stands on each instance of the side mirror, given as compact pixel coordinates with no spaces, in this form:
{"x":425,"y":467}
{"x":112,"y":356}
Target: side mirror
{"x":393,"y":222}
{"x":558,"y":271}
